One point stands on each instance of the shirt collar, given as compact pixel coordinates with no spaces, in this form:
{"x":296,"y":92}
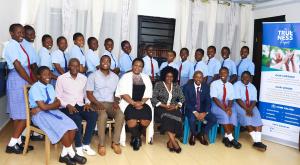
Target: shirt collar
{"x":68,"y":75}
{"x":42,"y":85}
{"x":196,"y":86}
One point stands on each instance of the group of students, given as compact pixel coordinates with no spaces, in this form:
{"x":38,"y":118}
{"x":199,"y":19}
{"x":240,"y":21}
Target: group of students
{"x":68,"y":87}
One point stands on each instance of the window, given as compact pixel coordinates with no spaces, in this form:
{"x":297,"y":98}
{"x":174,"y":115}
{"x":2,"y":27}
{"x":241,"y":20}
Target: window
{"x":158,"y":32}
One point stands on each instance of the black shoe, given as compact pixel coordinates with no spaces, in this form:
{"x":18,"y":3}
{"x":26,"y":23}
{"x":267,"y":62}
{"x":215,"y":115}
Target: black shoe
{"x":37,"y":138}
{"x":136,"y":143}
{"x":236,"y":144}
{"x":192,"y":140}
{"x":177,"y":150}
{"x":67,"y":160}
{"x":30,"y":148}
{"x":79,"y":159}
{"x":226,"y":142}
{"x":170,"y":147}
{"x":14,"y":149}
{"x":203,"y":140}
{"x":260,"y":146}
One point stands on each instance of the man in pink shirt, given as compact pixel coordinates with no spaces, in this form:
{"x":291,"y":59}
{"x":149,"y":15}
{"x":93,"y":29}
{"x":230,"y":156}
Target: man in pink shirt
{"x":70,"y":90}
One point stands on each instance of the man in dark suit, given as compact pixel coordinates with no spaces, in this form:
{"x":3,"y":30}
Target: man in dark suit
{"x":197,"y":108}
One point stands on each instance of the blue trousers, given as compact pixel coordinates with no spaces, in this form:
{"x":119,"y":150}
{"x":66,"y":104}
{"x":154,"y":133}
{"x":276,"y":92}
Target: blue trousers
{"x":91,"y":119}
{"x":211,"y":121}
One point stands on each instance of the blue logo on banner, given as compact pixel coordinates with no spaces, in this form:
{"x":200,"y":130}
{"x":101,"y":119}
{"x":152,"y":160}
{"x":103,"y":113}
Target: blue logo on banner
{"x":284,"y":35}
{"x":280,"y":113}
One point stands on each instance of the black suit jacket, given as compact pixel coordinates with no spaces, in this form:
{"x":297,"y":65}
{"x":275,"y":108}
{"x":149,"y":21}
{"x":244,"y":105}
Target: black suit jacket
{"x":190,"y":98}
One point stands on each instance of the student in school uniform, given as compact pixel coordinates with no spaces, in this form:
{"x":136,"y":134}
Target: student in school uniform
{"x":228,"y":63}
{"x":245,"y":64}
{"x":92,"y":59}
{"x":20,"y":74}
{"x":70,"y":90}
{"x":213,"y":65}
{"x":27,"y":44}
{"x":151,"y":65}
{"x":47,"y":116}
{"x":77,"y":52}
{"x":200,"y":65}
{"x":222,"y":94}
{"x":247,"y":112}
{"x":185,"y":67}
{"x":45,"y":54}
{"x":126,"y":58}
{"x":171,"y":55}
{"x":109,"y":46}
{"x":59,"y":58}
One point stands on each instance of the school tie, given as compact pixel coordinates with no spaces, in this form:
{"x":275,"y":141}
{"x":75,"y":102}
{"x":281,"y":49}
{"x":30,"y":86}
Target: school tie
{"x":130,"y":58}
{"x":179,"y":74}
{"x":224,"y":96}
{"x":195,"y":66}
{"x":198,"y":99}
{"x":113,"y":59}
{"x":66,"y":63}
{"x":83,"y":56}
{"x":47,"y":102}
{"x":247,"y":97}
{"x":223,"y":63}
{"x":28,"y":62}
{"x":238,"y":66}
{"x":152,"y":70}
{"x":208,"y":61}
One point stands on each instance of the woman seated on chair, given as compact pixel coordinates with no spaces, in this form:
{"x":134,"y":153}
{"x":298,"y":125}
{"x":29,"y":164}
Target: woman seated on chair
{"x":45,"y":115}
{"x":222,"y":94}
{"x":247,"y":112}
{"x":135,"y":91}
{"x":167,"y":99}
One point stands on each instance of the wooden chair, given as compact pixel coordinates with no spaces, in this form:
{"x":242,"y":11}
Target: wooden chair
{"x":31,"y":128}
{"x":109,"y":123}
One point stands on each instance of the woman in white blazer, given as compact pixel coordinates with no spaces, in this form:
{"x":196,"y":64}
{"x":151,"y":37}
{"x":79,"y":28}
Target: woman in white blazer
{"x":135,"y":91}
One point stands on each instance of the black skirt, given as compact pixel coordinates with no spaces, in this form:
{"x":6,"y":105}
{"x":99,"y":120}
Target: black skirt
{"x":143,"y":114}
{"x":171,"y":121}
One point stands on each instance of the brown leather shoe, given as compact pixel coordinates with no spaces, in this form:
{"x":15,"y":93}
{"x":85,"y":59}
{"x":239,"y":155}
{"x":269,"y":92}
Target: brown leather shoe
{"x":116,"y":147}
{"x":101,"y":150}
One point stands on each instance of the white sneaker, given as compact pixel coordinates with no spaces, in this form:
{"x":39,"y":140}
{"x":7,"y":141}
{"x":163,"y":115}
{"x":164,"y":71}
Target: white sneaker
{"x":79,"y":151}
{"x":88,"y":150}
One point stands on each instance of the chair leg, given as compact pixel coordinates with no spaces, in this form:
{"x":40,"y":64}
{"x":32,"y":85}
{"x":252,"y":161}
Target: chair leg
{"x":186,"y":131}
{"x":27,"y":138}
{"x":83,"y":128}
{"x":237,"y":132}
{"x":47,"y":150}
{"x":109,"y":131}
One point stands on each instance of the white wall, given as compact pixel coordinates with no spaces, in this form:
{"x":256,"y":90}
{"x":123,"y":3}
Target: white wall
{"x":289,"y":8}
{"x":158,"y":8}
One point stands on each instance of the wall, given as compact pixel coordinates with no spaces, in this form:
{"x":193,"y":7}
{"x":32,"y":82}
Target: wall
{"x":158,"y":8}
{"x":290,"y":8}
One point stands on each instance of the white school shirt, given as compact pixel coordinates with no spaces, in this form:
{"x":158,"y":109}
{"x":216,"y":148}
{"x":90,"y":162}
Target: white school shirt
{"x":216,"y":90}
{"x":240,"y":91}
{"x":147,"y":66}
{"x":187,"y":70}
{"x":57,"y":57}
{"x":201,"y":66}
{"x":45,"y":58}
{"x":213,"y":66}
{"x":165,"y":64}
{"x":92,"y":60}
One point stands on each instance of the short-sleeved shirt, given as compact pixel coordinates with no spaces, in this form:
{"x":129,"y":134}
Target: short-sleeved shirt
{"x":13,"y":52}
{"x":213,"y":66}
{"x":57,"y":57}
{"x":103,"y":86}
{"x":240,"y":91}
{"x":187,"y":69}
{"x":125,"y":62}
{"x":201,"y":66}
{"x":77,"y":52}
{"x":45,"y":58}
{"x":28,"y":46}
{"x":165,"y":64}
{"x":92,"y":60}
{"x":228,"y":63}
{"x":37,"y":92}
{"x":216,"y":90}
{"x":114,"y":61}
{"x":147,"y":66}
{"x":245,"y":65}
